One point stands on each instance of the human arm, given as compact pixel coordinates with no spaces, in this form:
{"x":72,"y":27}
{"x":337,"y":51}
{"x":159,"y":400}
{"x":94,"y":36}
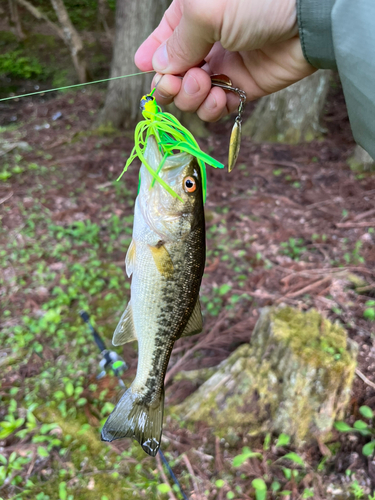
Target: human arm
{"x":259,"y":45}
{"x":341,"y":34}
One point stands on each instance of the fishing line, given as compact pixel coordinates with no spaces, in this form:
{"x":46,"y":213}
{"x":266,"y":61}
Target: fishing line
{"x":77,"y":85}
{"x":112,"y":359}
{"x":176,"y":481}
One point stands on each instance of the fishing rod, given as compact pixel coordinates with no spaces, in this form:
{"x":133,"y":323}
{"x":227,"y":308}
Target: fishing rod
{"x":112,"y":360}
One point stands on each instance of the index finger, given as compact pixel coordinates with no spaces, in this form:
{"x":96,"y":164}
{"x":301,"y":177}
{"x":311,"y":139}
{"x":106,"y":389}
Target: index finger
{"x":171,"y":19}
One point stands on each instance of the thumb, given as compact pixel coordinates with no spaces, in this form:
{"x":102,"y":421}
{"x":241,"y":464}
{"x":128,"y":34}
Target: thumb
{"x":188,"y":45}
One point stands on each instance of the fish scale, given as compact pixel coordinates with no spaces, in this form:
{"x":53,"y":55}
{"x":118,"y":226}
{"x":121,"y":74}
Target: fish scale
{"x":166,"y":260}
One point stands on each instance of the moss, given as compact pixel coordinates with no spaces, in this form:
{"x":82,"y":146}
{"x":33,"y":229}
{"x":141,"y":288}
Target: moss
{"x":91,"y":468}
{"x":312,"y":338}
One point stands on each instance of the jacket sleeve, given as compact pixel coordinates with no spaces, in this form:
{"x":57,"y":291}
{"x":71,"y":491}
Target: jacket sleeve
{"x":340,"y":34}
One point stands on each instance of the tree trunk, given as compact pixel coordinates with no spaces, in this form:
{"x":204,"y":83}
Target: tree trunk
{"x":291,"y":115}
{"x":102,"y":18}
{"x":135,"y":20}
{"x":15,"y":19}
{"x":295,"y":376}
{"x":72,"y":40}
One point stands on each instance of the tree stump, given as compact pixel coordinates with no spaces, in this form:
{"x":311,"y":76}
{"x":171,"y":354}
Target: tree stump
{"x":295,"y":377}
{"x":291,"y":115}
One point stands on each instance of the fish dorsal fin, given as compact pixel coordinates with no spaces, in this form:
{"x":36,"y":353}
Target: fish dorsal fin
{"x":130,"y":259}
{"x":125,"y":331}
{"x":195,"y":323}
{"x":162,"y":260}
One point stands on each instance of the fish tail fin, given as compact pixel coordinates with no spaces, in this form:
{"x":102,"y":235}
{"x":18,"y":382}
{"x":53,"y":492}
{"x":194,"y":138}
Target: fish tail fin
{"x":133,"y":418}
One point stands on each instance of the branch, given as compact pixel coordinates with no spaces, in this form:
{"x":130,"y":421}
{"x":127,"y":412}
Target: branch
{"x":364,"y":378}
{"x":39,"y":15}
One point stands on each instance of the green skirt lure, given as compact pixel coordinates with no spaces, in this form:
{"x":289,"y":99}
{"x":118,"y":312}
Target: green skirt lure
{"x":171,"y":136}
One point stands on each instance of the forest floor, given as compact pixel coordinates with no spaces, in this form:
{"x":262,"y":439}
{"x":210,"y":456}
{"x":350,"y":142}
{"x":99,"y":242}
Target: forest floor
{"x":291,"y":224}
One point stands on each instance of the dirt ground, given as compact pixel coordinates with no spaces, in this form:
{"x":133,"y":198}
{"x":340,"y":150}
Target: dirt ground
{"x":290,"y":224}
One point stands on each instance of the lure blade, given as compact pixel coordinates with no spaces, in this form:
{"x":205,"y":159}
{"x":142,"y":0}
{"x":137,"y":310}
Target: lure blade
{"x":234,"y":145}
{"x":221,"y":80}
{"x":224,"y":82}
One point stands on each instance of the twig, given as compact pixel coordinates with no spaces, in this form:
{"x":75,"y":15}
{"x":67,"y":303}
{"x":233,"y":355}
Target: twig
{"x":364,"y":378}
{"x":308,"y":272}
{"x":218,"y":462}
{"x":308,"y":288}
{"x":172,"y":371}
{"x":202,"y":455}
{"x":364,"y":214}
{"x":30,"y":469}
{"x":191,"y":472}
{"x":323,"y":202}
{"x":287,"y":164}
{"x":59,"y":142}
{"x":164,"y":477}
{"x":344,"y":225}
{"x":6,"y":198}
{"x":366,"y":288}
{"x":277,"y":299}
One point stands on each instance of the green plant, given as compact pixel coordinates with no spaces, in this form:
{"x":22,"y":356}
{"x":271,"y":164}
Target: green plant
{"x":10,"y":468}
{"x":369,"y":312}
{"x":293,"y":248}
{"x":354,"y":257}
{"x":15,"y":64}
{"x":357,"y":489}
{"x":365,"y":429}
{"x":260,"y":489}
{"x":263,"y":484}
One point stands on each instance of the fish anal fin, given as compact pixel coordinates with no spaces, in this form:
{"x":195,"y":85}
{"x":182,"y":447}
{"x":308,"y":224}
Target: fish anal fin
{"x":125,"y":331}
{"x":130,"y":259}
{"x":195,"y":323}
{"x":162,"y":260}
{"x":135,"y":419}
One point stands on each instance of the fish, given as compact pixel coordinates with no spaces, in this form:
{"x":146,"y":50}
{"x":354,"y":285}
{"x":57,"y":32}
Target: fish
{"x":166,"y":260}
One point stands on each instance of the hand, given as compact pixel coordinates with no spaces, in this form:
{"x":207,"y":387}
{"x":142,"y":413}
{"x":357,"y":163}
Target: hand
{"x":254,"y":42}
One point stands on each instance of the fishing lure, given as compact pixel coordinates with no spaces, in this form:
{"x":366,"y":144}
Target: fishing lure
{"x":225,"y":83}
{"x":170,"y":136}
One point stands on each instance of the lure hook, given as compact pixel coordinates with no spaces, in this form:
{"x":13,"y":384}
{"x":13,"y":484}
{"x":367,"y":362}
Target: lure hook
{"x":225,"y":83}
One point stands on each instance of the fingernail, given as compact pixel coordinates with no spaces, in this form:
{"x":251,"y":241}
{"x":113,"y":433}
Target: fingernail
{"x":210,"y":103}
{"x":160,"y":61}
{"x":163,"y":94}
{"x":191,"y":86}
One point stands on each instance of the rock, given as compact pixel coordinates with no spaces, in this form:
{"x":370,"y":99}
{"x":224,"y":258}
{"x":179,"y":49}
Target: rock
{"x":361,"y":161}
{"x":294,"y":377}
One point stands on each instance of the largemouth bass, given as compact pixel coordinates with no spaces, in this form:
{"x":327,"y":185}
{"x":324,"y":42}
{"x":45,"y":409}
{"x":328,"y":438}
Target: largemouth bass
{"x":166,"y":261}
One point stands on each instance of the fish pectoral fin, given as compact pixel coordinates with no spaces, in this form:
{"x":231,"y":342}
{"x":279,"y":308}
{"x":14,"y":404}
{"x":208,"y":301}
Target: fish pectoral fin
{"x":195,"y":323}
{"x":162,"y":260}
{"x":125,"y":331}
{"x":130,"y":259}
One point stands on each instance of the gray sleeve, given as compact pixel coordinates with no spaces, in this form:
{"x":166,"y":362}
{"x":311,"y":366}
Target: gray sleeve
{"x":341,"y":34}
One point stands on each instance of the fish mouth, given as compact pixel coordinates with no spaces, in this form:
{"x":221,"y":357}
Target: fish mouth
{"x":159,"y":208}
{"x":172,"y":167}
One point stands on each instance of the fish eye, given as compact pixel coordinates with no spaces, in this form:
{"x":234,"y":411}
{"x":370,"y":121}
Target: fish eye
{"x":189,"y":184}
